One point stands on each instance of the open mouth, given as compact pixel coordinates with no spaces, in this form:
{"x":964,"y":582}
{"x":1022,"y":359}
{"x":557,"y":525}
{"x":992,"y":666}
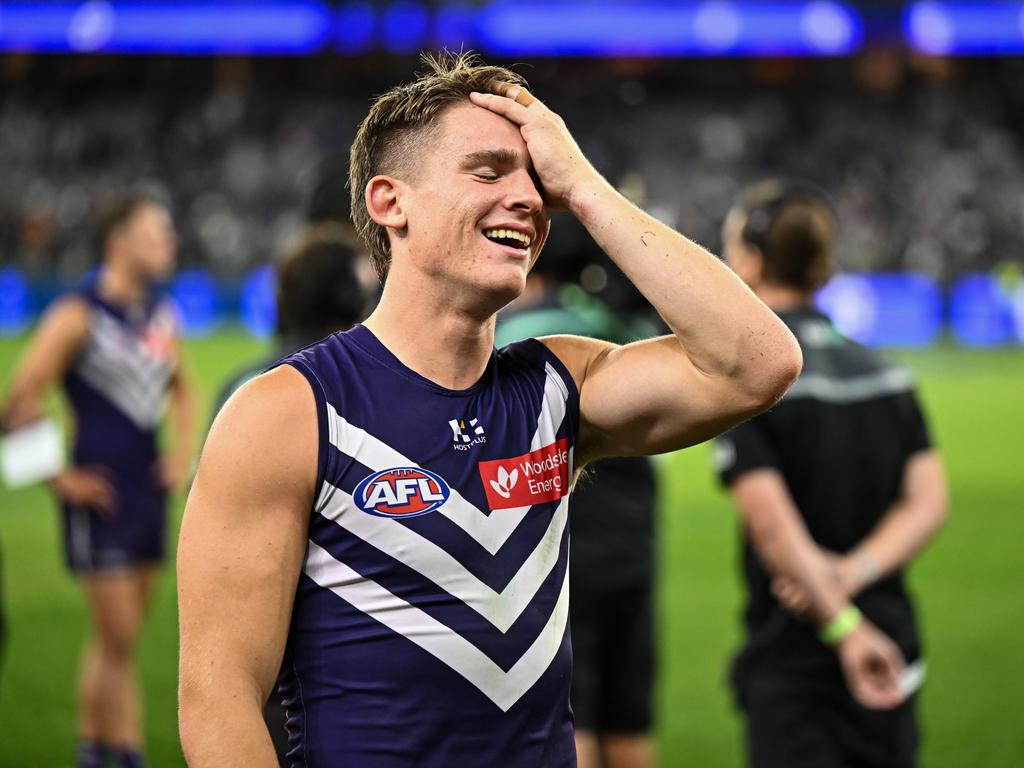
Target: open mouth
{"x":509,"y":238}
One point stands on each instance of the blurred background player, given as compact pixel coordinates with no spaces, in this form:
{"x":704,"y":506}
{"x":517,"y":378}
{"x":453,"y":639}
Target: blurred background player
{"x":611,"y":513}
{"x":838,"y":487}
{"x":113,"y":347}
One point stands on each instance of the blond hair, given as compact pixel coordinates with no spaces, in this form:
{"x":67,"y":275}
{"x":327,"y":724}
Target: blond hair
{"x":392,"y":137}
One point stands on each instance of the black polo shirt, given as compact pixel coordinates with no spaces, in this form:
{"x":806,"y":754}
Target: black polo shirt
{"x":841,"y":438}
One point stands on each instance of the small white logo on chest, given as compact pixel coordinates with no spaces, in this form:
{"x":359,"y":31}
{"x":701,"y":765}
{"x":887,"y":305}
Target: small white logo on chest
{"x":464,"y":435}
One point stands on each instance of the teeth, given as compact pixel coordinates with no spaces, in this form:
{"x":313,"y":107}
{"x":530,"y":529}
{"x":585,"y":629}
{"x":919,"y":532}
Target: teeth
{"x":508,"y":234}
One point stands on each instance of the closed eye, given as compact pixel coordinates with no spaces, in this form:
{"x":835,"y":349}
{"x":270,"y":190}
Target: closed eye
{"x":486,"y":176}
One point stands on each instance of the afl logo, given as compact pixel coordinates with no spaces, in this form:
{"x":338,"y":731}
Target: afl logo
{"x":401,"y":492}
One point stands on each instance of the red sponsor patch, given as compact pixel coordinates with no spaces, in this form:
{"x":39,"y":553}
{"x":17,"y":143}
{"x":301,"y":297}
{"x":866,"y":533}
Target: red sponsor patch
{"x":533,"y":478}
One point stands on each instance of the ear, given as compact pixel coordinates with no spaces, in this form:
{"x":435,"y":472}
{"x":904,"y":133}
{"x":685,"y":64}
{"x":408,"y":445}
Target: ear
{"x":383,"y":202}
{"x":755,"y":266}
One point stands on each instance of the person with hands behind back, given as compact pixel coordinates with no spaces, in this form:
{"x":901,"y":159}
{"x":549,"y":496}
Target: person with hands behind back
{"x":113,"y":346}
{"x":380,"y":521}
{"x":838,"y":487}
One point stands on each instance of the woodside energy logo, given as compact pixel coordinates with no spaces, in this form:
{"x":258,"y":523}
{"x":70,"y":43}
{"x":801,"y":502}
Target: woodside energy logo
{"x":533,"y":478}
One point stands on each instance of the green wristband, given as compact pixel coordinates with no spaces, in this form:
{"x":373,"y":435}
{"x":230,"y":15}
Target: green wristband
{"x":843,"y":624}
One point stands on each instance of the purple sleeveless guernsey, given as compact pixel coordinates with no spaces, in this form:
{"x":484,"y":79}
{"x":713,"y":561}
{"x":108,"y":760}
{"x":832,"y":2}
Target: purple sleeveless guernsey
{"x":117,"y":387}
{"x":430,"y":620}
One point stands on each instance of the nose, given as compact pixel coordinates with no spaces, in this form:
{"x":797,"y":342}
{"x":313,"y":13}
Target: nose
{"x":523,"y":193}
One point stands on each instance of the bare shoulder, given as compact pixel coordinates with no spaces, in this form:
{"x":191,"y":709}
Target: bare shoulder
{"x":265,"y":436}
{"x":67,"y":316}
{"x":577,"y":353}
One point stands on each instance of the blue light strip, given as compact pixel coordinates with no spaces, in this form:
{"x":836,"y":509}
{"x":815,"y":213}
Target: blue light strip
{"x":98,"y":26}
{"x":966,"y":28}
{"x":653,"y":28}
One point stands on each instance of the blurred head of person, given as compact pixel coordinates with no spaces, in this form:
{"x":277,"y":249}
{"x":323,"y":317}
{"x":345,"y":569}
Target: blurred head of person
{"x":446,"y":171}
{"x":318,"y":290}
{"x":137,"y":237}
{"x":779,"y":234}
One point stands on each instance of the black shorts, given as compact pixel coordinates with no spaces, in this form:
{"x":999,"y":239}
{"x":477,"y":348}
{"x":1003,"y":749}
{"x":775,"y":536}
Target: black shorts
{"x":613,"y":658}
{"x":806,"y":721}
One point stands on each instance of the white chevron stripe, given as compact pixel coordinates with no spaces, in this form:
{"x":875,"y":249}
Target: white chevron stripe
{"x":503,"y":688}
{"x":433,"y":562}
{"x":118,"y":366}
{"x":491,"y":532}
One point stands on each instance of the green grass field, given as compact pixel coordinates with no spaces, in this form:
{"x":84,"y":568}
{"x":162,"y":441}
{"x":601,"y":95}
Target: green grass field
{"x":970,"y":585}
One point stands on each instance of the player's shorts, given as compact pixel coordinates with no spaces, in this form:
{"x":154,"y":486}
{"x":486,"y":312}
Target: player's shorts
{"x":134,"y":536}
{"x":613,"y":658}
{"x":799,"y":722}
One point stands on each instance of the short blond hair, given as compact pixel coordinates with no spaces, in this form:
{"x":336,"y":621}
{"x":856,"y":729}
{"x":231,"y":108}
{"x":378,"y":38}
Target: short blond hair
{"x":391,"y":137}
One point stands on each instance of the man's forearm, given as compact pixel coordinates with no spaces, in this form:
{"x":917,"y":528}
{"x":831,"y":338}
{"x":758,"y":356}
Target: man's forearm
{"x":224,"y":731}
{"x":905,"y":529}
{"x":899,"y":537}
{"x":722,"y":326}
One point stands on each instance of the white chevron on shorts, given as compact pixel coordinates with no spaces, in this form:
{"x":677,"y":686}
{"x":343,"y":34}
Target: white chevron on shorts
{"x":503,"y":688}
{"x":437,"y":565}
{"x":491,"y":532}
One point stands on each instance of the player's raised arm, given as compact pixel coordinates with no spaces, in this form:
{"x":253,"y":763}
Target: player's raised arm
{"x":729,"y":357}
{"x":241,"y":548}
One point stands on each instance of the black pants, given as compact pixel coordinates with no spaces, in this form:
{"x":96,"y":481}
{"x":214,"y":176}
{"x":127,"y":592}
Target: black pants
{"x":806,"y":720}
{"x":613,"y":658}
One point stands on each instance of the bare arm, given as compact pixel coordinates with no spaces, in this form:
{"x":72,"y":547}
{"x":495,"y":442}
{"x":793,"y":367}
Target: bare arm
{"x":729,"y":356}
{"x":871,"y":662}
{"x":242,"y":544}
{"x":51,"y":352}
{"x":182,"y":415}
{"x":905,"y":529}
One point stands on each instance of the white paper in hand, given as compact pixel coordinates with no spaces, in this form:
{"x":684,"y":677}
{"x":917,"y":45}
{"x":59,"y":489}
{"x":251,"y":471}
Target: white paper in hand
{"x":912,"y":677}
{"x":31,"y":454}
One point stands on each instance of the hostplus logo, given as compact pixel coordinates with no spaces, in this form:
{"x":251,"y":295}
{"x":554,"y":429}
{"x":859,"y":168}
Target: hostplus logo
{"x":466,"y":434}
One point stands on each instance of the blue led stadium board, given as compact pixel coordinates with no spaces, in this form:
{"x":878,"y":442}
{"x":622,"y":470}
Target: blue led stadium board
{"x":163,"y":26}
{"x":901,"y":310}
{"x":965,"y":28}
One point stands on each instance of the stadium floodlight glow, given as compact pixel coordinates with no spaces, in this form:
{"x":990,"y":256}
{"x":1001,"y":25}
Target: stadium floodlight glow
{"x":166,"y":26}
{"x":966,"y":28}
{"x":661,"y":28}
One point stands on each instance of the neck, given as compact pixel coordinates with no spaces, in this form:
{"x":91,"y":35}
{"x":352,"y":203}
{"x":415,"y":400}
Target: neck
{"x":781,"y":298}
{"x":440,"y":340}
{"x":118,"y":285}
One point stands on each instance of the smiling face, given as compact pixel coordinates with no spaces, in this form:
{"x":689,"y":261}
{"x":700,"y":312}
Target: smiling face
{"x":475,"y":217}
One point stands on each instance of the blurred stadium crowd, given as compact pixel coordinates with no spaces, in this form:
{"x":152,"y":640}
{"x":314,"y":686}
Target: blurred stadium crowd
{"x":922,"y":155}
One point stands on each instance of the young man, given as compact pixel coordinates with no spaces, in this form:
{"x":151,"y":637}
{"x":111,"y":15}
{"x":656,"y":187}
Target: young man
{"x":838,"y":487}
{"x":382,"y":519}
{"x":114,"y":348}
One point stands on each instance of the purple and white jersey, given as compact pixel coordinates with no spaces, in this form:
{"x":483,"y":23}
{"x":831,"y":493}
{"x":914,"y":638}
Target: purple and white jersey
{"x":118,"y":384}
{"x":430,"y":621}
